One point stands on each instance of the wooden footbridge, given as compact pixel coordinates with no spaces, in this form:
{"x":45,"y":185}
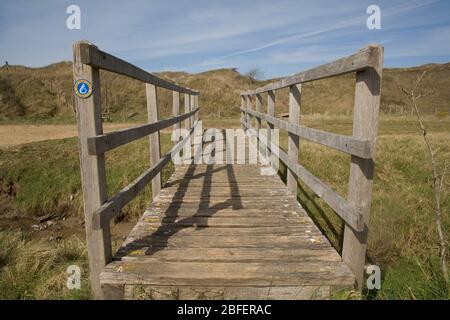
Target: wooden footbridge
{"x":221,"y":230}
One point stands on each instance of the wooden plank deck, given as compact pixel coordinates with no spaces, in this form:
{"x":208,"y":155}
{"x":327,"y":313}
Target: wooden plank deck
{"x":225,"y":232}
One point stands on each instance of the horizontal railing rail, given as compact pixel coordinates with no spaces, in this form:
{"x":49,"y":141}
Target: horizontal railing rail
{"x":364,"y":59}
{"x":110,"y":209}
{"x":340,"y":205}
{"x":106,"y":142}
{"x":354,"y":210}
{"x":355,"y":146}
{"x":98,"y":209}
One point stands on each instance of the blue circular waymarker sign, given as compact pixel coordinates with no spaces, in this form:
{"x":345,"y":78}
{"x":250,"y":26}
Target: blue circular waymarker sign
{"x":82,"y":88}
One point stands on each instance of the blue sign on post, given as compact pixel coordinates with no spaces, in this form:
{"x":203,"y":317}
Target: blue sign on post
{"x":82,"y":88}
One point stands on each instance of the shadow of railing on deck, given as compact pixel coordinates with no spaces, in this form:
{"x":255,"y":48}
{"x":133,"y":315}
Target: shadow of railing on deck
{"x":170,"y":223}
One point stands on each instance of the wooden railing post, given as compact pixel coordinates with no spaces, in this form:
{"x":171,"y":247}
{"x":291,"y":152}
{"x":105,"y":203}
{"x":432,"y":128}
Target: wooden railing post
{"x":176,"y":111}
{"x":155,"y":147}
{"x":93,"y":175}
{"x":258,"y":108}
{"x":187,"y":108}
{"x":249,"y":106}
{"x":293,"y":139}
{"x":365,"y":125}
{"x":243,"y":114}
{"x":270,"y":127}
{"x":192,"y":119}
{"x":197,"y":115}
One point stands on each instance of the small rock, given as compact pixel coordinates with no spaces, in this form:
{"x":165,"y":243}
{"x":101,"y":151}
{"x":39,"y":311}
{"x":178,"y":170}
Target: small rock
{"x":72,"y":197}
{"x":35,"y":227}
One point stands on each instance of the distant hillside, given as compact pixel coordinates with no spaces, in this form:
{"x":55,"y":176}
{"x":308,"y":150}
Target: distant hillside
{"x":46,"y":93}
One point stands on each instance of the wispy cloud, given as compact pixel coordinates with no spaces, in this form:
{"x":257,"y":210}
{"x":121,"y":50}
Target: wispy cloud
{"x":277,"y":36}
{"x":356,"y":20}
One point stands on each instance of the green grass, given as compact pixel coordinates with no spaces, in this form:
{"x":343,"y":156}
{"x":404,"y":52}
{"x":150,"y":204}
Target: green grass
{"x":46,"y":175}
{"x":402,"y":237}
{"x":402,"y":234}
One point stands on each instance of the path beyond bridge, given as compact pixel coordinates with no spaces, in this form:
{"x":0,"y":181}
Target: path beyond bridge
{"x":233,"y":230}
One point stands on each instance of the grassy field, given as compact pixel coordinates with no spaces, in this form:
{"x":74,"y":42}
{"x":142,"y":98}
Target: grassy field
{"x":42,"y":179}
{"x":44,"y":95}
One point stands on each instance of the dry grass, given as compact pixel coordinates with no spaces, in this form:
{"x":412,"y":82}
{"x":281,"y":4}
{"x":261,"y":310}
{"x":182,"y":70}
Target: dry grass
{"x":401,"y":238}
{"x":23,"y":100}
{"x":33,"y":269}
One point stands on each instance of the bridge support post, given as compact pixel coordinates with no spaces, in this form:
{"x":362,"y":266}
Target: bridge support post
{"x":155,"y":146}
{"x":293,"y":139}
{"x":187,"y":108}
{"x":93,"y":176}
{"x":258,"y":108}
{"x":365,"y":126}
{"x":176,"y":111}
{"x":243,"y":114}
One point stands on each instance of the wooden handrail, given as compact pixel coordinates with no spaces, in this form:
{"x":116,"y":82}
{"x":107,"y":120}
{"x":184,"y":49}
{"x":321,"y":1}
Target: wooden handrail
{"x":94,"y":57}
{"x":105,"y":142}
{"x":363,"y":59}
{"x":355,"y":209}
{"x":98,"y":211}
{"x":340,"y":205}
{"x":355,"y":146}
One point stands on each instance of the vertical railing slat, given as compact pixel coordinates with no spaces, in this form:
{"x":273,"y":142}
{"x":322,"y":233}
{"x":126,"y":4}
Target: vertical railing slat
{"x":192,"y":118}
{"x":365,"y":125}
{"x":270,"y":127}
{"x":293,"y":139}
{"x":155,"y":146}
{"x":258,"y":108}
{"x":187,"y":108}
{"x":176,"y":110}
{"x":243,"y":113}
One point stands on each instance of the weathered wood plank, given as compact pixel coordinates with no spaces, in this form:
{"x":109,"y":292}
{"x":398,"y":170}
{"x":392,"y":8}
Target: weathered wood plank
{"x":93,"y":175}
{"x":243,"y":114}
{"x":258,"y":108}
{"x":270,"y":126}
{"x":348,"y":212}
{"x":106,"y":142}
{"x":192,"y":107}
{"x":113,"y":291}
{"x":228,"y":274}
{"x":365,"y":126}
{"x":176,"y":111}
{"x":362,"y":148}
{"x":196,"y":229}
{"x":295,"y":93}
{"x":249,"y":106}
{"x":187,"y":109}
{"x":364,"y":59}
{"x":233,"y":254}
{"x":138,"y":292}
{"x":92,"y":56}
{"x":155,"y":145}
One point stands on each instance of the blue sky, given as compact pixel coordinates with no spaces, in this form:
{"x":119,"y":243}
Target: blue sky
{"x":279,"y":37}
